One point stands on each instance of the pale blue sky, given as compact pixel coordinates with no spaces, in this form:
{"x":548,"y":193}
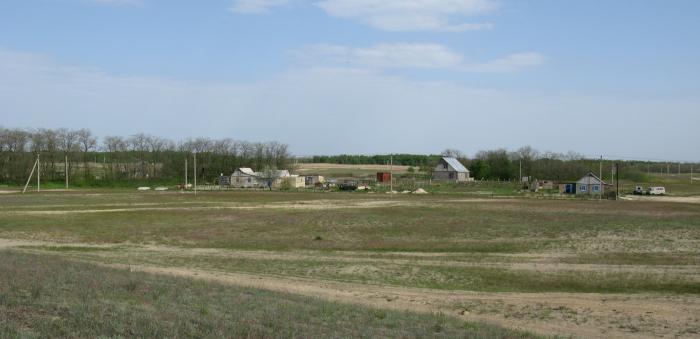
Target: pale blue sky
{"x":362,"y":76}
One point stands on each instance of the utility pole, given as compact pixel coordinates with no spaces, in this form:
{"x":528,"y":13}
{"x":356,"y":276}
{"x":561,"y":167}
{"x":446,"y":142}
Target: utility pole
{"x":66,"y":171}
{"x":612,"y":175}
{"x":38,"y":173}
{"x":195,"y":173}
{"x":617,"y":181}
{"x":391,"y":172}
{"x":600,"y":178}
{"x":30,"y":177}
{"x":520,"y":178}
{"x":679,"y":168}
{"x":185,"y":173}
{"x":691,"y":173}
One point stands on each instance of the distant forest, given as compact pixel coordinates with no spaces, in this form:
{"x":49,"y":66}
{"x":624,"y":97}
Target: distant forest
{"x":116,"y":160}
{"x":142,"y":158}
{"x":500,"y":164}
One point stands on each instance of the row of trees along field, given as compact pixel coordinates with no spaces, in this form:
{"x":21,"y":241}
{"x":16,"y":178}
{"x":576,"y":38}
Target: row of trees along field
{"x":117,"y":160}
{"x":501,"y":164}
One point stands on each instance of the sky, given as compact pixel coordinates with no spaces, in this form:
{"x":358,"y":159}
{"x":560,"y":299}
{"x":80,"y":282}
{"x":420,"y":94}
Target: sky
{"x":613,"y":78}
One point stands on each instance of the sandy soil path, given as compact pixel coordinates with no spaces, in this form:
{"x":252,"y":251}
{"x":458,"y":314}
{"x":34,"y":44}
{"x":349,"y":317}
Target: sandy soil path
{"x":581,"y":315}
{"x":585,"y":315}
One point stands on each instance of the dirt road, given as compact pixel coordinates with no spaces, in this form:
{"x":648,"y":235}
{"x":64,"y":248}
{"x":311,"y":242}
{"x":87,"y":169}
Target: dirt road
{"x":586,"y":315}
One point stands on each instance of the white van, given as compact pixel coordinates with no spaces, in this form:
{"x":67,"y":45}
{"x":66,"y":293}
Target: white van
{"x":656,"y":191}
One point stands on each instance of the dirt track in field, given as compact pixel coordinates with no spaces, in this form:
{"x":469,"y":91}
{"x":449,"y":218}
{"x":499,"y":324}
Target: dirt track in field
{"x":577,"y":314}
{"x":585,"y":315}
{"x":301,"y":205}
{"x":686,"y":200}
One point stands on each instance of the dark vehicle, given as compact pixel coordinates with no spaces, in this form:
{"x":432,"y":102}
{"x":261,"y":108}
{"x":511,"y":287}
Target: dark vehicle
{"x":348,"y":186}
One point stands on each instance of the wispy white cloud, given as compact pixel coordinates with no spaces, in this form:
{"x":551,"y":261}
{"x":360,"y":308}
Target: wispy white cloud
{"x":412,"y":15}
{"x":397,"y":55}
{"x":424,"y":117}
{"x":117,"y":2}
{"x":411,"y":55}
{"x":509,"y":63}
{"x":256,"y":6}
{"x":391,"y":15}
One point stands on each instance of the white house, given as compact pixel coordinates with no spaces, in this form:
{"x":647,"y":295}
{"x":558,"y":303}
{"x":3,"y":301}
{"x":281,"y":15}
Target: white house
{"x":590,"y":184}
{"x":245,"y":177}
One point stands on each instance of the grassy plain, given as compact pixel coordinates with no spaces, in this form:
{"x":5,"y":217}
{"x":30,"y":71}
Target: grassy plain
{"x":42,"y":296}
{"x":553,"y":267}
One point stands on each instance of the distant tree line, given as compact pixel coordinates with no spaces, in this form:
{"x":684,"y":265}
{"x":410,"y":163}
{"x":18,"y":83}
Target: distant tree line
{"x":501,"y":164}
{"x":415,"y":160}
{"x":138,"y":158}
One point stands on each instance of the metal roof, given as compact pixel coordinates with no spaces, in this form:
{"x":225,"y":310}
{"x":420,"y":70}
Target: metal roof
{"x":455,"y":164}
{"x":246,"y":170}
{"x":584,"y":180}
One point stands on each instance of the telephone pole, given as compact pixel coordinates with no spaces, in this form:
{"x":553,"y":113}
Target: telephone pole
{"x":185,"y":173}
{"x":602,"y":186}
{"x":617,"y":181}
{"x":520,"y":179}
{"x":66,"y":165}
{"x":195,"y":173}
{"x":391,"y":173}
{"x":38,"y":173}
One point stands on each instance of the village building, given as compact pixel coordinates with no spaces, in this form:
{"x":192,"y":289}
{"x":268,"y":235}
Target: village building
{"x":589,"y":184}
{"x":295,"y":181}
{"x":245,"y":177}
{"x":314,"y":180}
{"x":450,"y":169}
{"x":383,"y":177}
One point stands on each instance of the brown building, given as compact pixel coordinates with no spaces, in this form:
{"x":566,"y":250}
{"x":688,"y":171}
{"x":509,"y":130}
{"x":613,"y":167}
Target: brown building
{"x":383,"y":177}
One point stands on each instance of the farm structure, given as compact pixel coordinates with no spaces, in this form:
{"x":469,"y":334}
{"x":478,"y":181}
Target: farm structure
{"x":245,"y":177}
{"x":589,"y":184}
{"x":450,"y":169}
{"x":312,"y":180}
{"x":383,"y":177}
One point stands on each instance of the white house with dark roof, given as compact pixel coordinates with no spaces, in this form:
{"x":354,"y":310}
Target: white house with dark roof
{"x":450,"y":169}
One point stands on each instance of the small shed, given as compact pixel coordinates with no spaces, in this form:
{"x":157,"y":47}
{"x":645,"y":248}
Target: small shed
{"x":383,"y":177}
{"x":295,"y":181}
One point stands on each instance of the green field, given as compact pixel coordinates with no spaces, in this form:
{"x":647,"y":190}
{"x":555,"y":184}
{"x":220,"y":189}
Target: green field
{"x":552,"y":267}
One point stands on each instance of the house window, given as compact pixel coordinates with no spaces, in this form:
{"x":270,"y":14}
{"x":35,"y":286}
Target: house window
{"x":596,"y":188}
{"x":248,"y":179}
{"x":584,"y":188}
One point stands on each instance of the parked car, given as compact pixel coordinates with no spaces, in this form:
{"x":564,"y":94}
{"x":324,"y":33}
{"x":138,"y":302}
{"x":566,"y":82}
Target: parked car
{"x":656,"y":191}
{"x":348,"y":186}
{"x":638,"y":190}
